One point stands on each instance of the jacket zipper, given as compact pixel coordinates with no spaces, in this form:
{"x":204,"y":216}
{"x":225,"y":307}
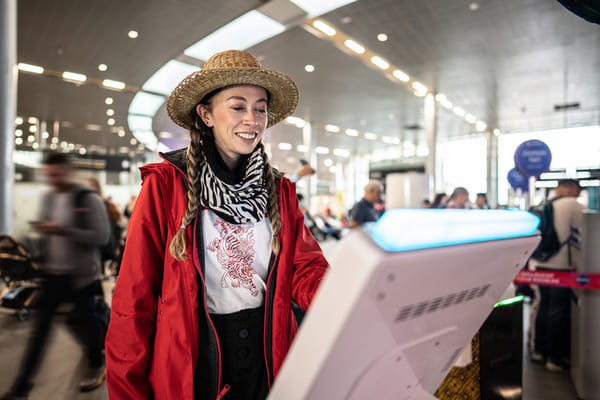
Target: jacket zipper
{"x":268,"y":323}
{"x":199,"y":253}
{"x":222,"y":392}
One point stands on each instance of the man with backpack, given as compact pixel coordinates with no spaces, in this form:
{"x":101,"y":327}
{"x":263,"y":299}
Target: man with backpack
{"x":553,"y":320}
{"x":74,"y":223}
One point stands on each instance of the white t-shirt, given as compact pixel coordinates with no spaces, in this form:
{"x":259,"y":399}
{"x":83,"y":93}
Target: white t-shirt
{"x":236,"y":261}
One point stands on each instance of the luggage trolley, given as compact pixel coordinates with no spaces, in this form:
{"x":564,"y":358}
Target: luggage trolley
{"x":18,"y":272}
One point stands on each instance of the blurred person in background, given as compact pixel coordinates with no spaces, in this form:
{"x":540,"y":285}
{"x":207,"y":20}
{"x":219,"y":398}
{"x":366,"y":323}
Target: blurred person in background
{"x":459,"y":199}
{"x":364,"y":210}
{"x":216,"y":249}
{"x":109,"y":252}
{"x":481,"y":202}
{"x":74,"y":223}
{"x":439,"y":201}
{"x":553,"y":319}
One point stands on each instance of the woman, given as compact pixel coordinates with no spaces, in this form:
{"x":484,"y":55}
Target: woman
{"x":216,"y":249}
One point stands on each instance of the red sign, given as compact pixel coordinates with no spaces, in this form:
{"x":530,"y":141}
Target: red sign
{"x":576,"y":280}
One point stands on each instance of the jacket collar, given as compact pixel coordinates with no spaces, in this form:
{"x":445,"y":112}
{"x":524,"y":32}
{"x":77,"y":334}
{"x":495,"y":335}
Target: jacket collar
{"x":178,"y":158}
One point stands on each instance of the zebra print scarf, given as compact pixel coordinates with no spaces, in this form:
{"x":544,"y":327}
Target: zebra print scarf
{"x":237,"y":203}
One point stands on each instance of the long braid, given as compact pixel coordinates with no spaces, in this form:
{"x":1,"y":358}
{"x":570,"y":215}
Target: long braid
{"x":273,"y":207}
{"x":195,"y":158}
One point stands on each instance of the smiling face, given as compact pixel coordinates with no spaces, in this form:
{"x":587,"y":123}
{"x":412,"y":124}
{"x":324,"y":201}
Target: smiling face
{"x":238,"y":118}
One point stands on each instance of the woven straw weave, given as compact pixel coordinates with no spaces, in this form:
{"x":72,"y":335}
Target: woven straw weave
{"x":232,"y":67}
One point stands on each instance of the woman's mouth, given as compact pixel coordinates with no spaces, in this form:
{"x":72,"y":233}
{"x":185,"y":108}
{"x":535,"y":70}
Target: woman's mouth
{"x":247,"y":135}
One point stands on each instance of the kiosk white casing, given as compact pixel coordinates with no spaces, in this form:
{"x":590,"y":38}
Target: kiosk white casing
{"x":390,"y":324}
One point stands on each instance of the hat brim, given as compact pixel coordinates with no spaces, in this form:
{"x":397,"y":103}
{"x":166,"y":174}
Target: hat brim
{"x":283,"y":92}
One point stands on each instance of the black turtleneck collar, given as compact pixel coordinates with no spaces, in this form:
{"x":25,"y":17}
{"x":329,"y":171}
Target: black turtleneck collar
{"x":217,"y":164}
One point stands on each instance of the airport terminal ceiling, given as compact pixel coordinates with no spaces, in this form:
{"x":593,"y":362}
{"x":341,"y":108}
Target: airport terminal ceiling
{"x":509,"y":63}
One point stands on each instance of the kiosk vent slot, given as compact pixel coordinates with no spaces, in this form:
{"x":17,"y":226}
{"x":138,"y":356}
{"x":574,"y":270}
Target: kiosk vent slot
{"x":433,"y":305}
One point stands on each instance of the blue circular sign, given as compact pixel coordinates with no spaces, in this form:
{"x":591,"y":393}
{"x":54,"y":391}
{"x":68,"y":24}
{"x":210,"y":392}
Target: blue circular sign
{"x":533,"y":157}
{"x":517,"y":180}
{"x":583,"y":279}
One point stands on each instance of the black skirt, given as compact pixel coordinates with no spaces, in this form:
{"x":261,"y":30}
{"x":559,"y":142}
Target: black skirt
{"x":242,"y":354}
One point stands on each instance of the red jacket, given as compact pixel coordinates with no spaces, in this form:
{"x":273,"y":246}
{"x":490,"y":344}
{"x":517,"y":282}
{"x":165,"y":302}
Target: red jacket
{"x":159,"y":303}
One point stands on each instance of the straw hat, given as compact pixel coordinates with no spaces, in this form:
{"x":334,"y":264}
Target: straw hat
{"x":232,"y":67}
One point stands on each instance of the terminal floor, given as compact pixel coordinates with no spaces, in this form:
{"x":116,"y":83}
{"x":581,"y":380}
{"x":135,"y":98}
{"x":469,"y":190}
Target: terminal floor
{"x":59,"y":373}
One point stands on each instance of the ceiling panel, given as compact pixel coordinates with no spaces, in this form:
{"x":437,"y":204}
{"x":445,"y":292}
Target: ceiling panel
{"x":507,"y":62}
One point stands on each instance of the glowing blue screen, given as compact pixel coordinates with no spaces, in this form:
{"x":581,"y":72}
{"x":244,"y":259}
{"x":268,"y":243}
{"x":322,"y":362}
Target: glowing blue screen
{"x":411,"y":229}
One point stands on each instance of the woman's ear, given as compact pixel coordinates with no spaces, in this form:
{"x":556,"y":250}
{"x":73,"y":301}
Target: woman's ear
{"x":204,"y":114}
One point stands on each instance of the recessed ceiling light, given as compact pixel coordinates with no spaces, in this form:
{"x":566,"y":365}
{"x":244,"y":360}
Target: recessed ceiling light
{"x":480,"y":126}
{"x":72,"y":76}
{"x":18,"y":120}
{"x":110,"y":112}
{"x":299,"y":122}
{"x":102,"y":67}
{"x":497,"y":132}
{"x":45,"y":135}
{"x":33,"y":128}
{"x":32,"y":120}
{"x":285,"y":146}
{"x":382,"y":37}
{"x":309,"y":68}
{"x":459,"y":111}
{"x":132,"y":142}
{"x":110,"y":121}
{"x":19,"y":140}
{"x":470,"y":118}
{"x":332,"y":128}
{"x":121,"y":133}
{"x":346,"y":20}
{"x":321,"y":150}
{"x":18,"y":132}
{"x":109,"y":83}
{"x":352,"y":132}
{"x":341,"y":152}
{"x":355,"y":47}
{"x":474,"y":6}
{"x":370,"y":136}
{"x":132,"y":34}
{"x":380,"y":62}
{"x":328,"y":162}
{"x":36,"y":69}
{"x":82,"y":150}
{"x":108,"y":101}
{"x":31,"y":138}
{"x":323,"y":27}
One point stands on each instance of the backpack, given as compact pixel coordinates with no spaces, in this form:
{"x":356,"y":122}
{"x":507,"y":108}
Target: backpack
{"x":549,"y":245}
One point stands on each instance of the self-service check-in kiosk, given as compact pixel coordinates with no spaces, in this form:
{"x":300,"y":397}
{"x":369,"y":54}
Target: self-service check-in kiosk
{"x":402,"y":299}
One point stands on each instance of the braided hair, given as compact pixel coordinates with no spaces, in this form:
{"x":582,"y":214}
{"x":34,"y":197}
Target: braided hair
{"x":195,"y":159}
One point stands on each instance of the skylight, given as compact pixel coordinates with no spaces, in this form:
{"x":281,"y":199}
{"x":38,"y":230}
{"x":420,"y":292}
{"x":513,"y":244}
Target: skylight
{"x":318,"y":7}
{"x":241,"y":33}
{"x":168,"y":76}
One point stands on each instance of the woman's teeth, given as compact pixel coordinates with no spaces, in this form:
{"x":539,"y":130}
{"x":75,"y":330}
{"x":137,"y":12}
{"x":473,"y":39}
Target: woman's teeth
{"x":248,"y":136}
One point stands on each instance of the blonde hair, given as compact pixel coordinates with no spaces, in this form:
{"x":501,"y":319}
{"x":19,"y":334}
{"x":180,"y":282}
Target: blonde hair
{"x":195,"y":159}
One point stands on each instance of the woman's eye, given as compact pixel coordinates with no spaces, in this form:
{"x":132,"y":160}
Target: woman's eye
{"x":262,"y":111}
{"x":238,"y":108}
